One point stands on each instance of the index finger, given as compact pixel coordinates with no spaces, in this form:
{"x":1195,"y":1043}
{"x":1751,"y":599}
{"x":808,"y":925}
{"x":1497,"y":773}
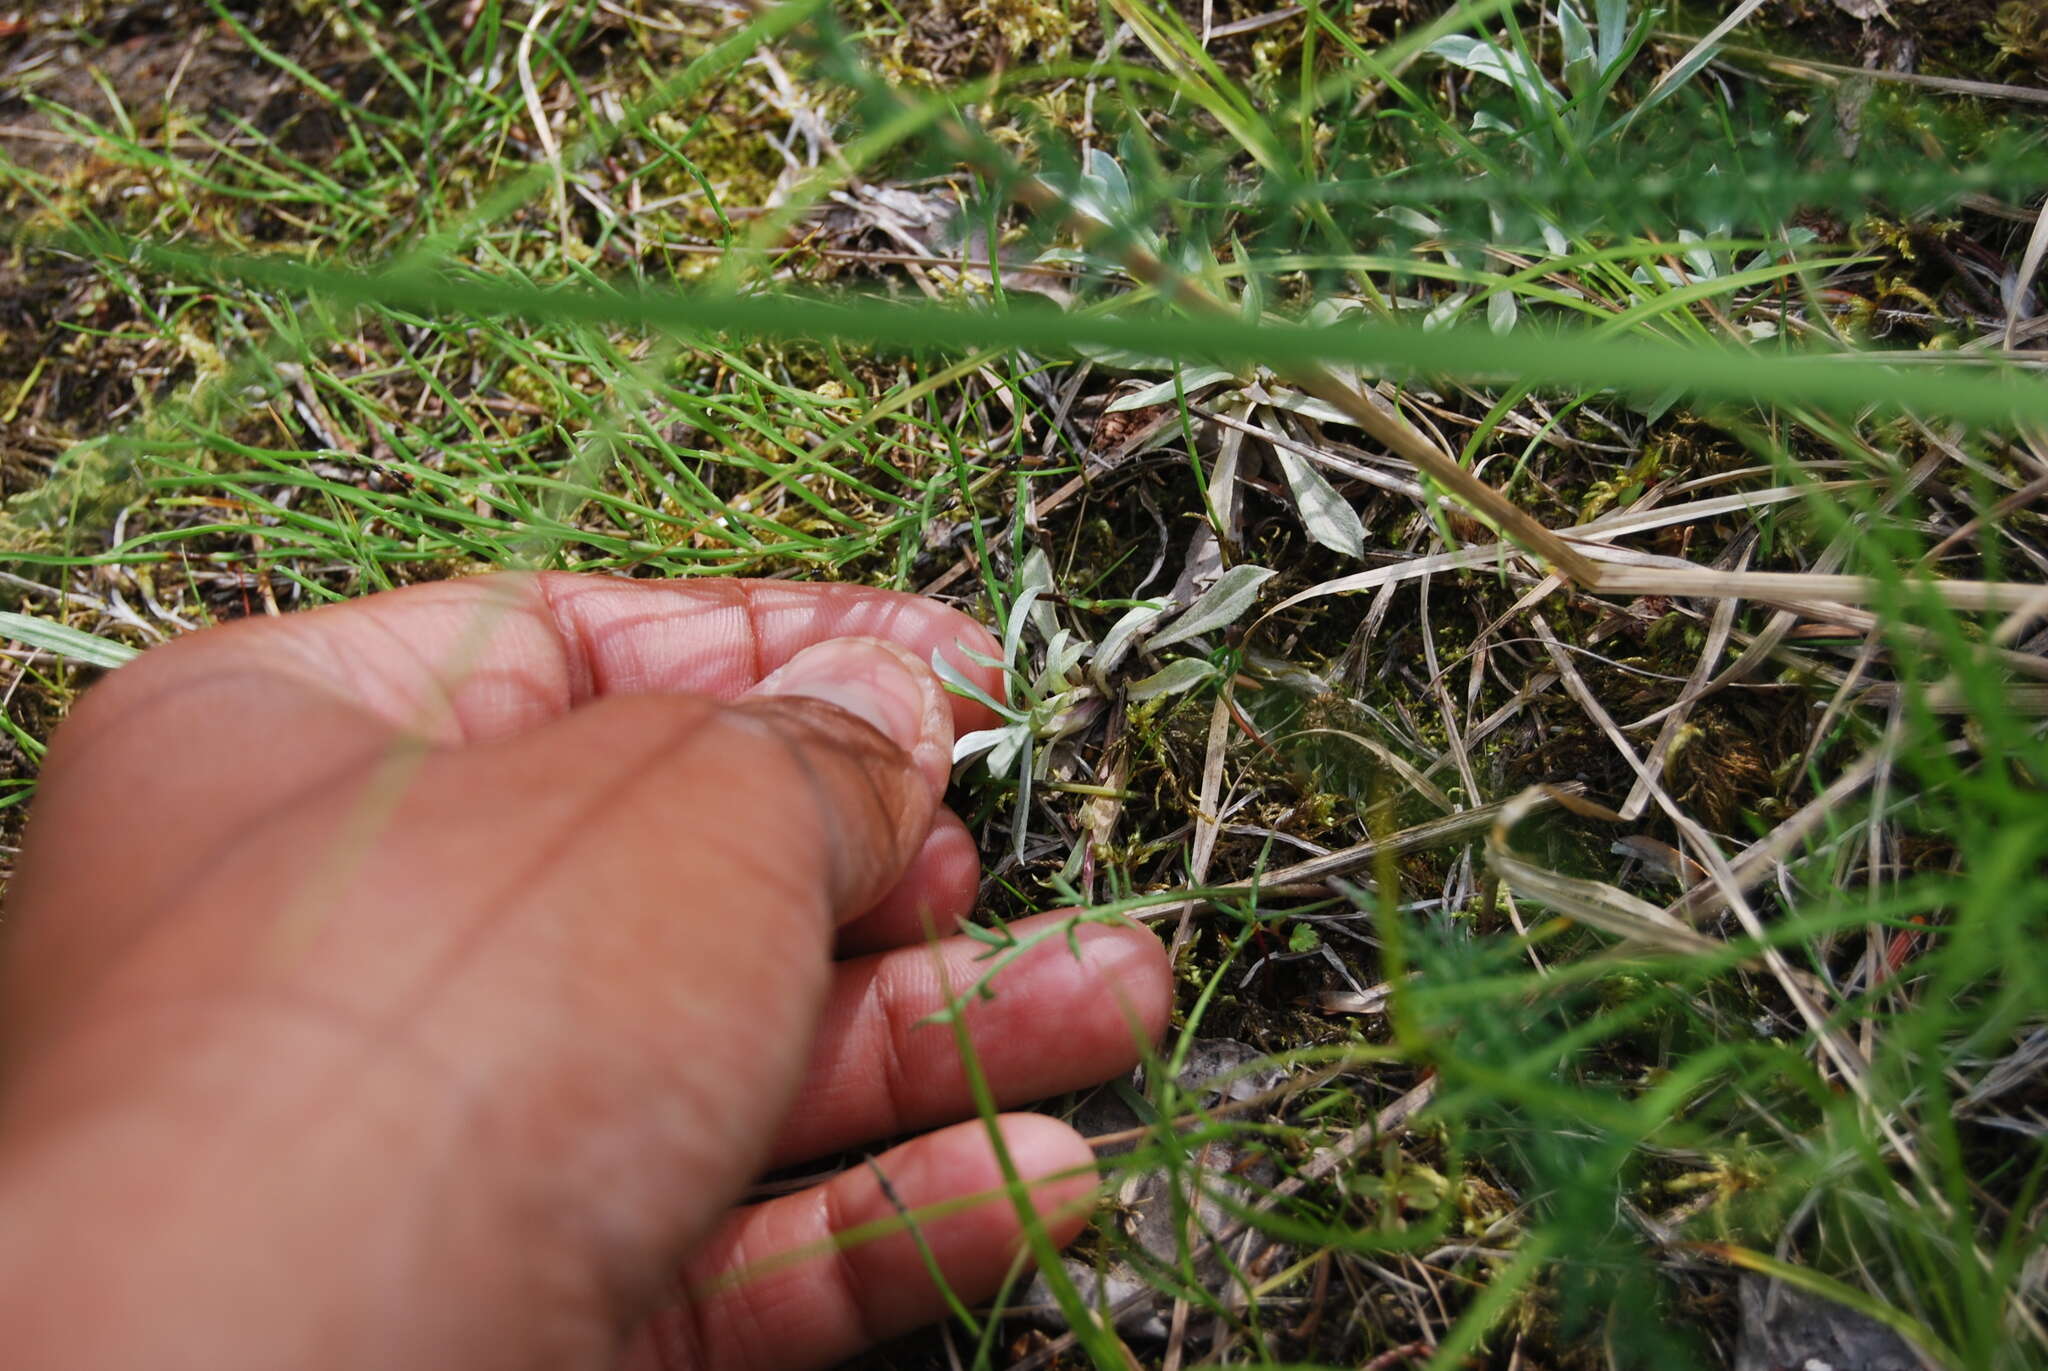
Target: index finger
{"x":177,"y":757}
{"x":486,"y":657}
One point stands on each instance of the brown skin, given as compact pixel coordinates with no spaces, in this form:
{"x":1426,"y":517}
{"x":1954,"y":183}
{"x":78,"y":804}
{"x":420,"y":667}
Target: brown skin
{"x":419,"y":982}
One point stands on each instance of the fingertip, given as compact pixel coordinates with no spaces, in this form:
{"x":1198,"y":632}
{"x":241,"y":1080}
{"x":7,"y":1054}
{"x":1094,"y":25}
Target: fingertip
{"x":1131,"y":965}
{"x":1051,"y":1022}
{"x":885,"y":686}
{"x":1058,"y":1166}
{"x":936,"y":892}
{"x":1121,"y":964}
{"x":810,"y":1279}
{"x":976,"y":1243}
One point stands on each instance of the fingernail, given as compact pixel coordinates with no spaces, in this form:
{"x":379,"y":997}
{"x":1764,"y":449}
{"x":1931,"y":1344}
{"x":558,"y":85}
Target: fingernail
{"x":875,"y":682}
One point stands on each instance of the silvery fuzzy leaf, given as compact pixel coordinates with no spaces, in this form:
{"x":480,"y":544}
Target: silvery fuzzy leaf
{"x":1294,"y":402}
{"x":1221,"y":605}
{"x":1122,"y":634}
{"x":1061,"y":655}
{"x":1077,"y":710}
{"x":1445,"y":312}
{"x":1020,"y":823}
{"x":1036,"y":574}
{"x":1502,"y":64}
{"x":64,"y":640}
{"x":1699,"y":259}
{"x":1412,"y":219}
{"x":1172,"y":679}
{"x":1068,"y":657}
{"x":1020,"y":616}
{"x":1287,"y":674}
{"x":1123,"y":359}
{"x":980,"y":741}
{"x":1005,"y":754}
{"x":1328,"y":311}
{"x":1192,"y":381}
{"x":1581,"y":59}
{"x":1104,"y":169}
{"x":1328,"y":516}
{"x":1501,"y":312}
{"x":1251,"y":301}
{"x":1611,"y":17}
{"x":1226,"y":502}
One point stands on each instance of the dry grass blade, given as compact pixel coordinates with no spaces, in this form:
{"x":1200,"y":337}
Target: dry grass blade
{"x":1207,"y":822}
{"x":1755,"y":863}
{"x":1719,"y":628}
{"x":1391,"y":760}
{"x":1591,"y":538}
{"x":2030,"y":267}
{"x":1454,"y":739}
{"x":1357,"y":472}
{"x":1952,"y":85}
{"x":1594,"y":903}
{"x":1406,"y":441}
{"x":1798,"y":987}
{"x":1310,"y":877}
{"x":1778,"y":587}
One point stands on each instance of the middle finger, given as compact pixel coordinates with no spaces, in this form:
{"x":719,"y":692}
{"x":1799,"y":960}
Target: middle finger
{"x":1054,"y":1023}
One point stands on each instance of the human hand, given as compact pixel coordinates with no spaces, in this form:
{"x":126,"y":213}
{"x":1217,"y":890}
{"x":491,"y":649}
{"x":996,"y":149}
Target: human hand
{"x":417,"y":982}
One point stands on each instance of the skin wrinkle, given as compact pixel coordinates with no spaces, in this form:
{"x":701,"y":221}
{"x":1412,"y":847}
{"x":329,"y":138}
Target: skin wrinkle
{"x":84,"y":732}
{"x":1118,"y":965}
{"x":548,"y":685}
{"x":821,"y":722}
{"x":567,"y":612}
{"x":893,"y":1056}
{"x":687,"y":1353}
{"x":846,"y":1272}
{"x":757,"y":659}
{"x":554,"y":602}
{"x":718,"y":602}
{"x":581,"y":664}
{"x":395,"y":1029}
{"x":428,"y":1205}
{"x":761,"y":1308}
{"x":722,"y":1320}
{"x":934,"y":895}
{"x":674,"y":753}
{"x":144,"y":708}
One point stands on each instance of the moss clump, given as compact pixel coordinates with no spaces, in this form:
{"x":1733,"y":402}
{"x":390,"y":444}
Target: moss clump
{"x":2020,"y":33}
